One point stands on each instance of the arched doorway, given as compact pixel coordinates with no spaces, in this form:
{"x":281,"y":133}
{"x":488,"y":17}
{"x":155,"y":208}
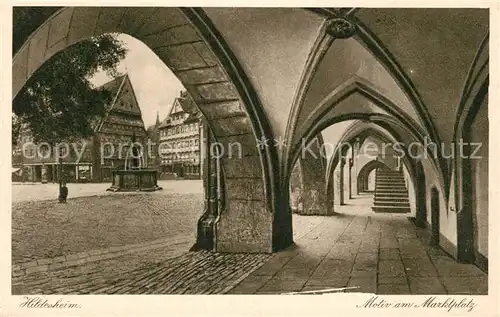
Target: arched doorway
{"x":364,"y":175}
{"x":434,"y":216}
{"x":188,"y":43}
{"x":421,"y":196}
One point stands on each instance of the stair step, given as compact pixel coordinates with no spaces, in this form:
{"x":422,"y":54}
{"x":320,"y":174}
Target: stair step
{"x":390,"y":189}
{"x":392,"y":198}
{"x":390,"y":185}
{"x":391,"y":203}
{"x":390,"y":192}
{"x":389,"y":178}
{"x":391,"y":209}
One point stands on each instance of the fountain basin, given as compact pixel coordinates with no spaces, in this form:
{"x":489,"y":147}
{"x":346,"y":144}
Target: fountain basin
{"x":134,"y":180}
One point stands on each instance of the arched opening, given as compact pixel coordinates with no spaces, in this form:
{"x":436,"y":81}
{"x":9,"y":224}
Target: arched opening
{"x":435,"y":216}
{"x":421,"y":196}
{"x":188,"y":44}
{"x":366,"y":175}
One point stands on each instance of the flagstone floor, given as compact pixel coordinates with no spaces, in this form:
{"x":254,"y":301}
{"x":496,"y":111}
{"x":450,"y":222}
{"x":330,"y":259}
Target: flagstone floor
{"x":362,"y":251}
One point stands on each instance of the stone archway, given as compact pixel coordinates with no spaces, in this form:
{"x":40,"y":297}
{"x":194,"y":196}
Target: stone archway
{"x":365,"y":171}
{"x":188,"y":43}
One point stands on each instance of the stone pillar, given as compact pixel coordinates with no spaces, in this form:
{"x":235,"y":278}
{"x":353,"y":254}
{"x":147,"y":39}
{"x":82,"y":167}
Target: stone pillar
{"x":350,"y":177}
{"x":341,"y":182}
{"x":355,"y":153}
{"x":296,"y":188}
{"x":313,"y":172}
{"x":43,"y":174}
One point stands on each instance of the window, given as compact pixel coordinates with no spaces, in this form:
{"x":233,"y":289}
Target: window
{"x":107,"y":150}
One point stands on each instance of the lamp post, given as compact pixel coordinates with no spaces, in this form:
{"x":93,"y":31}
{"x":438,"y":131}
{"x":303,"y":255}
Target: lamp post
{"x":63,"y":190}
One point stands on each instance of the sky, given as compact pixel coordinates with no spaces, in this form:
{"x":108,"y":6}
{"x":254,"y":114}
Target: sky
{"x":154,"y":83}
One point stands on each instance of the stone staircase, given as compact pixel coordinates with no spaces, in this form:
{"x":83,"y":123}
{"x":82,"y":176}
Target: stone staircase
{"x":391,"y":195}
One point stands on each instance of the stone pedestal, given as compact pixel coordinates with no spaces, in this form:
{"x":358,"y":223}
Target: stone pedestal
{"x":134,"y":180}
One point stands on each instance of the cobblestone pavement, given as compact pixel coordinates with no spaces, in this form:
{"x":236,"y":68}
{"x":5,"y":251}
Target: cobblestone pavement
{"x":50,"y":191}
{"x":364,"y":252}
{"x":189,"y":273}
{"x":47,"y":229}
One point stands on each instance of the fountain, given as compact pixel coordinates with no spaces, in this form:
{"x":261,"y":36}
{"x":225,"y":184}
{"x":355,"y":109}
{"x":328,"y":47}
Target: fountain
{"x":135,"y":176}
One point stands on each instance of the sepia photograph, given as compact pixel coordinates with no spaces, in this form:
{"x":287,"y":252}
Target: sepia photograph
{"x":250,"y":150}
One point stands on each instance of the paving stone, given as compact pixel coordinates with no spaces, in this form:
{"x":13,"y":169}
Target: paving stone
{"x":44,"y":261}
{"x":426,"y":285}
{"x":391,"y":268}
{"x":392,"y":280}
{"x":466,"y":285}
{"x":419,"y":267}
{"x":34,"y":269}
{"x":389,"y":254}
{"x":332,"y":268}
{"x":448,"y":267}
{"x":278,"y":286}
{"x":322,"y":288}
{"x":389,"y":243}
{"x":363,"y":285}
{"x":328,"y":283}
{"x":372,"y":273}
{"x":250,"y":284}
{"x":294,"y":273}
{"x":396,"y":289}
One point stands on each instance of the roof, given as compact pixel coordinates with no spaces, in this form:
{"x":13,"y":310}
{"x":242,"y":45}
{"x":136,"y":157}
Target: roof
{"x":113,"y":86}
{"x":188,"y":105}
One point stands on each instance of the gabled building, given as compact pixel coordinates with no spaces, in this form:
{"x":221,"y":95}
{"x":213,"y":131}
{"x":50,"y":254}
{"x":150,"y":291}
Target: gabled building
{"x":116,"y":130}
{"x":102,"y":153}
{"x":179,"y":135}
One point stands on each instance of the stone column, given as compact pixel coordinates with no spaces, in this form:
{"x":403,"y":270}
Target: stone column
{"x":313,"y":182}
{"x":355,"y":153}
{"x":341,"y":182}
{"x":350,"y":177}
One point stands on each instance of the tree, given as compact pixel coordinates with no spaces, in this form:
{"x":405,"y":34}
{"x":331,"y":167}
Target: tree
{"x":59,"y":103}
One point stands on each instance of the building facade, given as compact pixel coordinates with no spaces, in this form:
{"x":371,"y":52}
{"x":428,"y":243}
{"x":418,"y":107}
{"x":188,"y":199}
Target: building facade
{"x":179,"y":136}
{"x":89,"y":160}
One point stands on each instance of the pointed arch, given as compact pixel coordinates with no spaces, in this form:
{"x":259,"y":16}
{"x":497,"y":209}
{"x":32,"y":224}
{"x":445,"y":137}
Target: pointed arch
{"x":203,"y":62}
{"x":364,"y":172}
